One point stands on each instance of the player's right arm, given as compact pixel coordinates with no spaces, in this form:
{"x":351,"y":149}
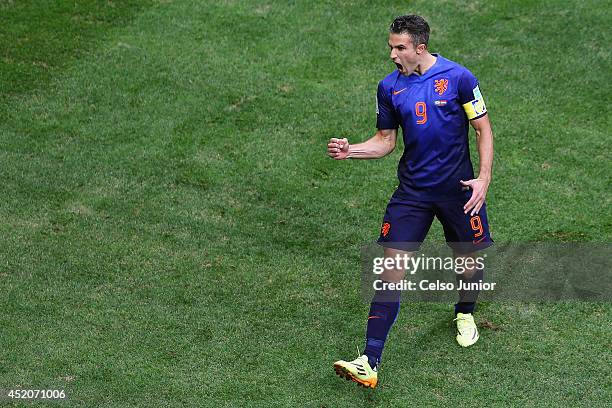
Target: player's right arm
{"x":380,"y":145}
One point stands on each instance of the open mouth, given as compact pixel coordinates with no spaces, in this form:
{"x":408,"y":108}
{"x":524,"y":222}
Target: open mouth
{"x":399,"y":66}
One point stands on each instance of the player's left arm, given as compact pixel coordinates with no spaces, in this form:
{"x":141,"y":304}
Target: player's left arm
{"x":480,"y":185}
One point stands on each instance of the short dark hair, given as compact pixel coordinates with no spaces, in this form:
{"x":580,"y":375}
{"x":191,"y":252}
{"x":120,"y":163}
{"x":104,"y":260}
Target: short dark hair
{"x":415,"y":26}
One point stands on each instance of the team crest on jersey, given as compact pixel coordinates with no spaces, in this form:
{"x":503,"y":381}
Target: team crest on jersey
{"x":440,"y":86}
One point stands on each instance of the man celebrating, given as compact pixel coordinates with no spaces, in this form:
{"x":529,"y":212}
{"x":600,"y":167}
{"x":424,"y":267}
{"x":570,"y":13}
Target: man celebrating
{"x":433,"y":99}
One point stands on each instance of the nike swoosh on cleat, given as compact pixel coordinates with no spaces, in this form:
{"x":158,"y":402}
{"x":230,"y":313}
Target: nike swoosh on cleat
{"x":400,"y":91}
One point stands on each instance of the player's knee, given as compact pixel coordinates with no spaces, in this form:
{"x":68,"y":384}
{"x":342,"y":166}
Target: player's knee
{"x":393,"y":275}
{"x":468,"y":273}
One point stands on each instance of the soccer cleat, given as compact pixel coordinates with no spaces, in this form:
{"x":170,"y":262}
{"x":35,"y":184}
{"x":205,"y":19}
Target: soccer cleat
{"x":467,"y":332}
{"x":358,"y":370}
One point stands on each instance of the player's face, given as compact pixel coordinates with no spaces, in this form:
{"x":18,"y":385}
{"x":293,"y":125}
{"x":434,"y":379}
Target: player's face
{"x":403,"y":53}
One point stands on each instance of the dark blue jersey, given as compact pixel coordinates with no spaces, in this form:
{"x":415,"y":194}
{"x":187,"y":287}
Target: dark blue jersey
{"x":433,"y":111}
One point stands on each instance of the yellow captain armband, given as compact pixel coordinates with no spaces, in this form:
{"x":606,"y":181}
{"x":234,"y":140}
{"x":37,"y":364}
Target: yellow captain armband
{"x":477,"y":107}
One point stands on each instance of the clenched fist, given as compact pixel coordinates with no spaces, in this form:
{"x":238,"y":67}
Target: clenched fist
{"x":338,"y":148}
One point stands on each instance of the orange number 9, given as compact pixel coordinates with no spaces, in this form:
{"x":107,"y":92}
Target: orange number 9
{"x":421,"y":111}
{"x":476,"y":225}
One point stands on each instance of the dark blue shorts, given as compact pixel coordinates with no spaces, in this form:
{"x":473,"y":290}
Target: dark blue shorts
{"x":407,"y":222}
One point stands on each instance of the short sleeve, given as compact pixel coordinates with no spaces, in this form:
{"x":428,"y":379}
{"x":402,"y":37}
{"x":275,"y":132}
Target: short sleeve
{"x":385,"y":113}
{"x":470,"y":96}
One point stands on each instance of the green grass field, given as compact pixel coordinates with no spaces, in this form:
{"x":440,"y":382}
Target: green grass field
{"x":174,"y":234}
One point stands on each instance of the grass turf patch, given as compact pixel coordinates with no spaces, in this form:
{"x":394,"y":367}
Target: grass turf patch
{"x":175,"y":235}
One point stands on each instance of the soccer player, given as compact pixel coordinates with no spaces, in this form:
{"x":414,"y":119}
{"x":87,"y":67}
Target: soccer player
{"x":433,"y":100}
